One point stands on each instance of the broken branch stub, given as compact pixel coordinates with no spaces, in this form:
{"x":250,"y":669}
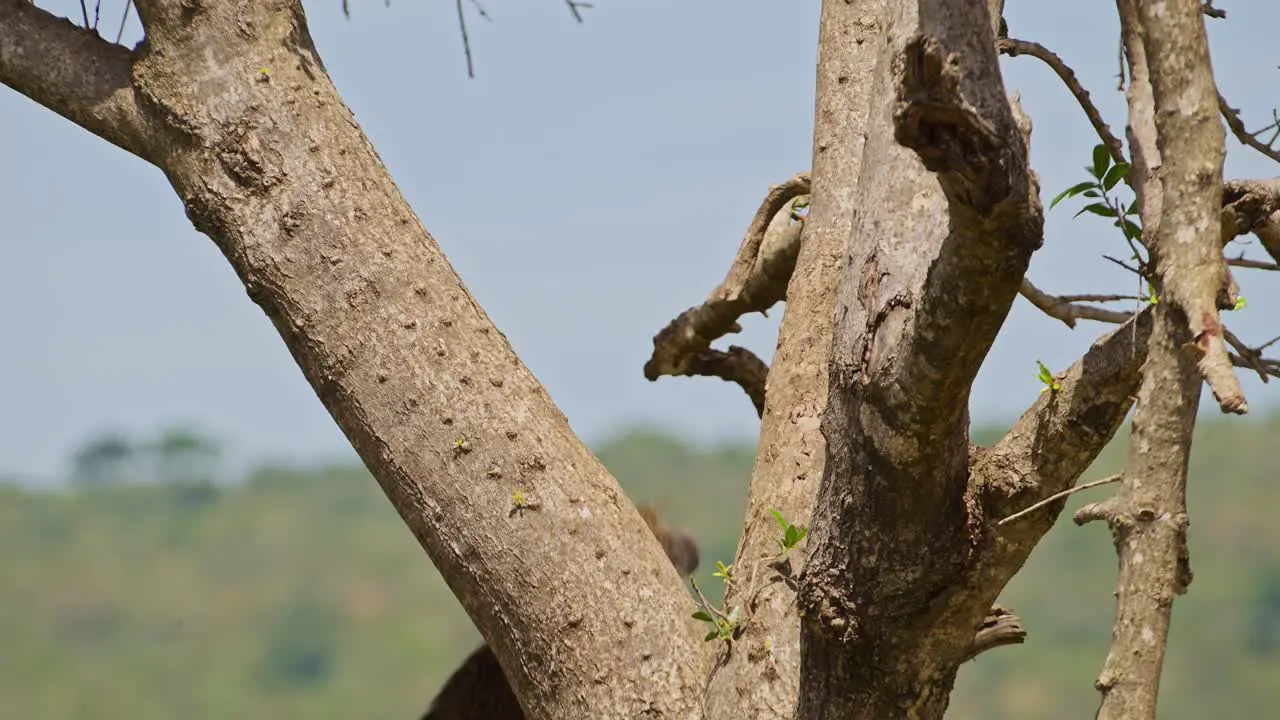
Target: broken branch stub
{"x":756,"y":281}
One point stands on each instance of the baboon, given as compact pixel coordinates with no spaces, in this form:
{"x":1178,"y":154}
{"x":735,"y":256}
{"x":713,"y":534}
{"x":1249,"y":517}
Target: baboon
{"x":478,"y":690}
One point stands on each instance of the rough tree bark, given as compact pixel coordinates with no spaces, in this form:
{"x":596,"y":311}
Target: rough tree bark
{"x":537,"y":540}
{"x":1178,"y":147}
{"x":925,"y":214}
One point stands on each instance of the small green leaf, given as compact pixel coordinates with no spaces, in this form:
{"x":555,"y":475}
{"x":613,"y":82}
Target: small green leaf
{"x":701,"y":615}
{"x":792,"y":537}
{"x":1101,"y":160}
{"x":778,"y":516}
{"x":1046,"y":376}
{"x":1132,"y":230}
{"x":1115,"y":175}
{"x":804,"y":533}
{"x":1241,"y":304}
{"x":1098,"y":209}
{"x":1091,"y":193}
{"x":1072,"y":192}
{"x":711,"y":636}
{"x":1154,"y":298}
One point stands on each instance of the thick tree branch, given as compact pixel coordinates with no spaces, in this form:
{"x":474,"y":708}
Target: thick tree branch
{"x":792,"y":451}
{"x":949,"y":216}
{"x":74,"y":73}
{"x":1052,"y":445}
{"x":998,"y":629}
{"x":1252,"y":206}
{"x":1148,"y":521}
{"x":535,"y":538}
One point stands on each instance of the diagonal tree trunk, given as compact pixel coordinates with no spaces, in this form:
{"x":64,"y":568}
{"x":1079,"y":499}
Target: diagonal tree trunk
{"x":549,"y":558}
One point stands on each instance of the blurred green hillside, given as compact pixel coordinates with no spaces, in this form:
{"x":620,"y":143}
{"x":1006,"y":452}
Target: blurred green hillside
{"x":298,"y":593}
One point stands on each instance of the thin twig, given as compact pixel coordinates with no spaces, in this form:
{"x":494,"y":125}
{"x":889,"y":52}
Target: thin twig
{"x":1131,"y":268}
{"x":1245,"y":262}
{"x":1250,"y":355}
{"x":1098,"y":298}
{"x":1058,"y":496}
{"x":1068,"y":312}
{"x":706,"y":605}
{"x":1232,"y":116}
{"x":124,"y":18}
{"x":84,"y":12}
{"x":576,"y":8}
{"x":1014,"y":48}
{"x":466,"y":42}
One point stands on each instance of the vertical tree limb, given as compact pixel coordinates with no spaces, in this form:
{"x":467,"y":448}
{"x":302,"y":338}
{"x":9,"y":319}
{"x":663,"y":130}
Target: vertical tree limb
{"x":1187,"y":250}
{"x":760,"y":679}
{"x":1172,"y":130}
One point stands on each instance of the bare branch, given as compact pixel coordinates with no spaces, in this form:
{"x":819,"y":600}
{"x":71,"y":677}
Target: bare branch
{"x":1062,"y":496}
{"x":1067,"y":308}
{"x":1245,"y":262}
{"x":1252,"y":206}
{"x":1251,"y":139}
{"x":73,"y":72}
{"x":1059,"y":437}
{"x":466,"y":40}
{"x":1270,"y":366}
{"x":577,"y":7}
{"x":736,"y":365}
{"x":756,"y":281}
{"x":1210,"y":11}
{"x":1014,"y":48}
{"x":1252,"y":358}
{"x":124,"y":19}
{"x":748,"y":257}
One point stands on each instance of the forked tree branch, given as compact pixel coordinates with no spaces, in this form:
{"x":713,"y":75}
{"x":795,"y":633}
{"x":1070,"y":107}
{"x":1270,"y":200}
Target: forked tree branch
{"x":756,"y":282}
{"x":73,"y":72}
{"x":1069,"y":310}
{"x":1250,"y":139}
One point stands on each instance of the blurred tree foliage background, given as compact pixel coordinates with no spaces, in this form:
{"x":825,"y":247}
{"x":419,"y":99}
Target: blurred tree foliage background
{"x":151,"y":586}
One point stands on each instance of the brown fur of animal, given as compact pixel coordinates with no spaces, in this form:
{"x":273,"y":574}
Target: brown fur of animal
{"x":478,"y":690}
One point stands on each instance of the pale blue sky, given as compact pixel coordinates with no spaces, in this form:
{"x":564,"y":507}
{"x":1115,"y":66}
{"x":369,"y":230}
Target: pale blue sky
{"x":591,"y":183}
